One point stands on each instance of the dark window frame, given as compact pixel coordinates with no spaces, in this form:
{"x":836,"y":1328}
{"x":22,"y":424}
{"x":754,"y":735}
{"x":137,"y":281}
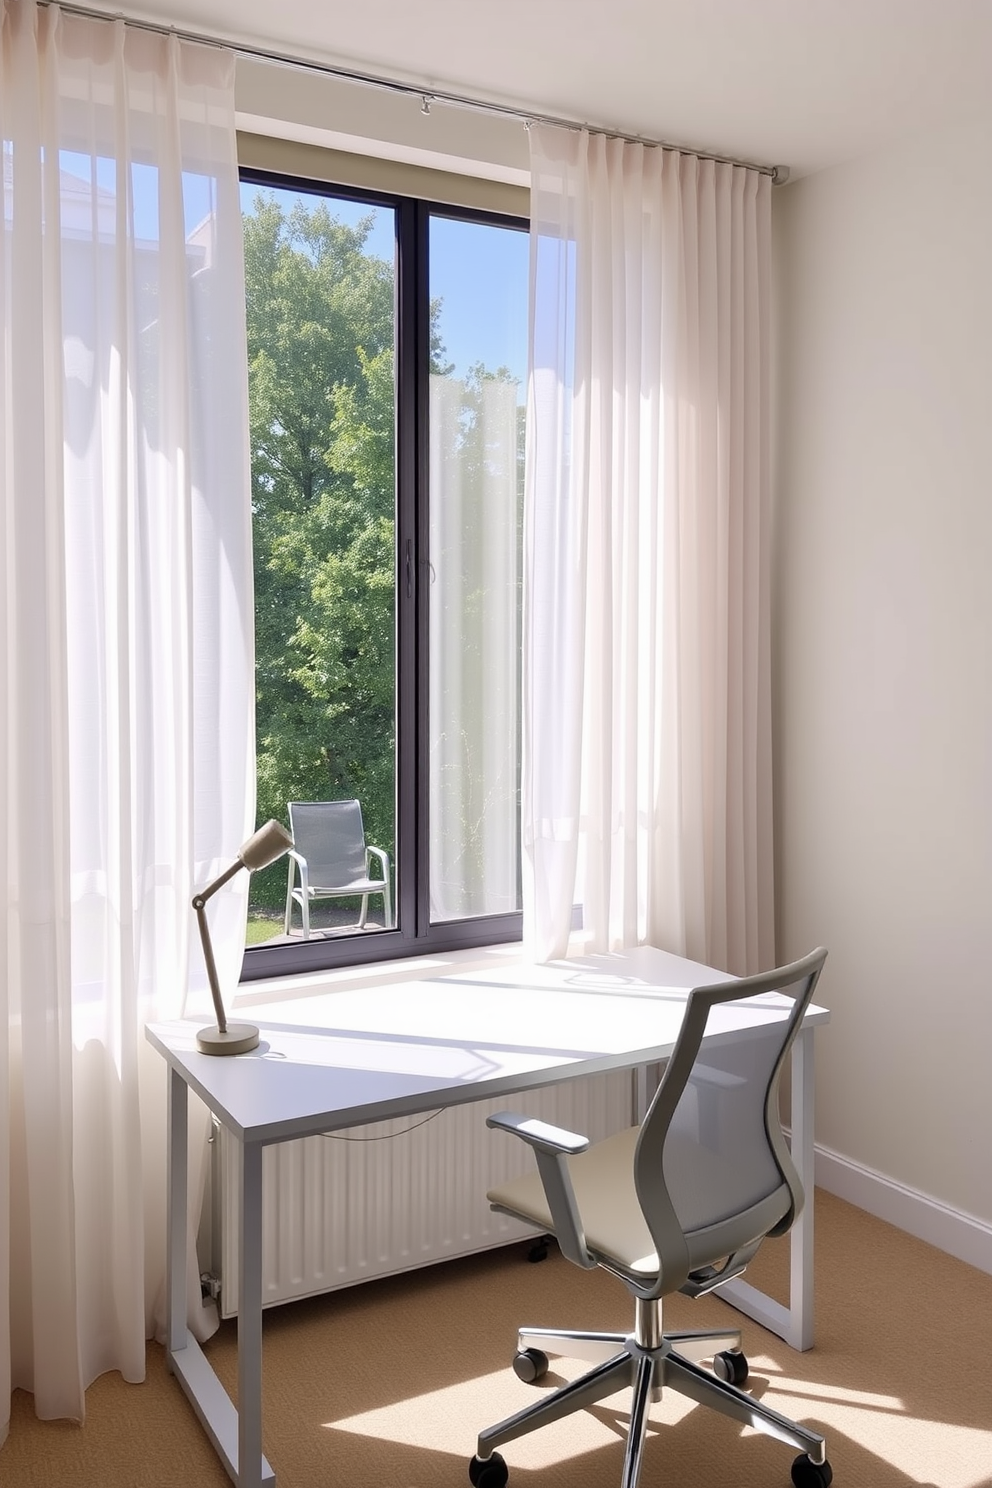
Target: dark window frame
{"x":414,"y":934}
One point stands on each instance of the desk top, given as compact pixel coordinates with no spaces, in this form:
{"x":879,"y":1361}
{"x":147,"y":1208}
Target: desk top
{"x":332,"y":1059}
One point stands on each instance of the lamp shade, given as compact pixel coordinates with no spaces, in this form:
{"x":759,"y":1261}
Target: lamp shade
{"x":265,"y":846}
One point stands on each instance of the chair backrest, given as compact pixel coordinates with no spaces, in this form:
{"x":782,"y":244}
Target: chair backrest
{"x":712,"y":1161}
{"x":330,"y":835}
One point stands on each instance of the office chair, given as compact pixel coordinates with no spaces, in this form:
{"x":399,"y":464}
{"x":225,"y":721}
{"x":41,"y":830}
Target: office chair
{"x":333,"y":860}
{"x":680,"y":1203}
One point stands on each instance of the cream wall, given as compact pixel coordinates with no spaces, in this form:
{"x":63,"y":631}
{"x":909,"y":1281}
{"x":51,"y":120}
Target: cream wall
{"x":319,"y":109}
{"x":883,"y":655}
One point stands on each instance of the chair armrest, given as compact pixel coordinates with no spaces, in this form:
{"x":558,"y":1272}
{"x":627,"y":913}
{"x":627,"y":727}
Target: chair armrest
{"x":383,"y":857}
{"x":301,"y":863}
{"x":538,"y":1134}
{"x":552,"y":1145}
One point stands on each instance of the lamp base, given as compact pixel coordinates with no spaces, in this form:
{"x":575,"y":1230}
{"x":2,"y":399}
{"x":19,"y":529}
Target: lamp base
{"x":238,"y":1039}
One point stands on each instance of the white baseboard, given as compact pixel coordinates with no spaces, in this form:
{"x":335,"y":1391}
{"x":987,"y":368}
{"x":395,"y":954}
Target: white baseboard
{"x":950,"y":1230}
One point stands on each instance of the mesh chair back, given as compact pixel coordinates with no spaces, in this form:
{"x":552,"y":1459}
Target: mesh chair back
{"x":712,"y":1155}
{"x":331,"y":836}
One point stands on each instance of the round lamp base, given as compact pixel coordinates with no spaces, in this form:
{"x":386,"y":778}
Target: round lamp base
{"x":238,"y":1039}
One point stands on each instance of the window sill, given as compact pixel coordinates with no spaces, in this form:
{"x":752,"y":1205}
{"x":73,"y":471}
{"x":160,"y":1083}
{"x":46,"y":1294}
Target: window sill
{"x":376,"y":974}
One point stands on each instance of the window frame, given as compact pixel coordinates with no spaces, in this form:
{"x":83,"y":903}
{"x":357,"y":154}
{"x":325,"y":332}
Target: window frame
{"x":414,"y":934}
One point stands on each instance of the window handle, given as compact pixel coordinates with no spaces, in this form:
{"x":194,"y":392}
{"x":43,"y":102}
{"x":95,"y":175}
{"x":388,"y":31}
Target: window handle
{"x":409,"y":568}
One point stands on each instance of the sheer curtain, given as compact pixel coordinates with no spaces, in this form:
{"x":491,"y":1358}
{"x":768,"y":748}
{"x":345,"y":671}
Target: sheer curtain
{"x":646,"y":734}
{"x":126,"y":752}
{"x":474,"y":648}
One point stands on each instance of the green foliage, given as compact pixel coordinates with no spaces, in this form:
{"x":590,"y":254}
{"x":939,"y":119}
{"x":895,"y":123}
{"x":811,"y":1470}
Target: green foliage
{"x":320,"y":313}
{"x":320,"y":349}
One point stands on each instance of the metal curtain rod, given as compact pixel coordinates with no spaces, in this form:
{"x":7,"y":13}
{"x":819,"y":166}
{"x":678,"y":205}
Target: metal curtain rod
{"x":778,"y":173}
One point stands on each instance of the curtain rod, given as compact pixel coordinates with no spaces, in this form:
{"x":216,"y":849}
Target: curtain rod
{"x":778,"y":173}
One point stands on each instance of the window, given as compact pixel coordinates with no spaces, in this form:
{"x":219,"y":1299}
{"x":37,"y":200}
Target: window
{"x":387,"y":365}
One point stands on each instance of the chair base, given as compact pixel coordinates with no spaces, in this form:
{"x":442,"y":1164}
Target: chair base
{"x":648,"y":1361}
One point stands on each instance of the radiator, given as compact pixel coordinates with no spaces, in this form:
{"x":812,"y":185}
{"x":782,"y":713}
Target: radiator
{"x":386,"y":1198}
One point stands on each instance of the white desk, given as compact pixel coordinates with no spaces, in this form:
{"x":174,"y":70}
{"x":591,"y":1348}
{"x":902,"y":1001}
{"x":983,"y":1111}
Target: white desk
{"x":343,"y":1058}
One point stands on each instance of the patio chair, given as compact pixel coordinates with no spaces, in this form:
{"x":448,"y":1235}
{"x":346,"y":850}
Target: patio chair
{"x":333,"y":860}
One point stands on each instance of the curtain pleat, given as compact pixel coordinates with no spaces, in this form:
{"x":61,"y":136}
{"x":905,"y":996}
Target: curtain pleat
{"x":646,"y":747}
{"x":127,"y":753}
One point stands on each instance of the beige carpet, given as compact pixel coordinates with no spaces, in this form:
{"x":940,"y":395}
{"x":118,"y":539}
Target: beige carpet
{"x":385,"y":1385}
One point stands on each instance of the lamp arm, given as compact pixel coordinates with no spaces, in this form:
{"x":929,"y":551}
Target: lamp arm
{"x":200,"y":905}
{"x":202,"y":895}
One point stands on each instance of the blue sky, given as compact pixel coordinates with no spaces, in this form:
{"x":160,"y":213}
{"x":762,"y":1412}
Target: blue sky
{"x":479,"y":273}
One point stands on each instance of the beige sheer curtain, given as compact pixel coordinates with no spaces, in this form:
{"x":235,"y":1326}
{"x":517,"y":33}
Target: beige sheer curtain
{"x":646,"y":734}
{"x":126,"y":660}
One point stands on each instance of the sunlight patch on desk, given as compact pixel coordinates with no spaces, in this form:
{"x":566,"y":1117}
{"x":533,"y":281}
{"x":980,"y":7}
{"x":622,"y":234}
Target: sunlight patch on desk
{"x":384,"y":1056}
{"x":422,"y":1421}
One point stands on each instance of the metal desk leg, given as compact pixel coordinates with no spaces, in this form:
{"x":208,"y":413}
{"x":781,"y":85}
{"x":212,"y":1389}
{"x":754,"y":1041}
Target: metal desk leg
{"x":795,"y":1322}
{"x":253,"y":1467}
{"x":175,"y":1239}
{"x":804,"y":1157}
{"x":237,"y":1438}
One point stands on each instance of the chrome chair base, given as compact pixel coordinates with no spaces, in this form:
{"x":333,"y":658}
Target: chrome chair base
{"x":648,"y":1361}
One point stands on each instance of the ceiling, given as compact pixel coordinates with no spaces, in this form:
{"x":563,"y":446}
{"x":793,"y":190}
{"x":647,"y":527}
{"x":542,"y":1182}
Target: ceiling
{"x":801,"y":83}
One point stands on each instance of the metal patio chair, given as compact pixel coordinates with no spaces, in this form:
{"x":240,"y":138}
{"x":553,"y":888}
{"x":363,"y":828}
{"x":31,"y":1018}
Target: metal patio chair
{"x":333,"y":860}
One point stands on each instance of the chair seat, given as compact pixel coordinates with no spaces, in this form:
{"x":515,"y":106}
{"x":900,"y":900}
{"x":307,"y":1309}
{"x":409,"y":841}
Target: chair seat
{"x":353,"y":886}
{"x":614,"y":1223}
{"x":603,"y":1180}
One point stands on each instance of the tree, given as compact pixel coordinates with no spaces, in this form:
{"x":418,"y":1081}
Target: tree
{"x":320,"y":350}
{"x":320,"y":313}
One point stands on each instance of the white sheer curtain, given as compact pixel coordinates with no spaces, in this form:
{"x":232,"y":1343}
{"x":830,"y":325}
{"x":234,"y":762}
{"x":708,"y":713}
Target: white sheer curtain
{"x":474,"y":649}
{"x":126,"y":663}
{"x":646,"y":735}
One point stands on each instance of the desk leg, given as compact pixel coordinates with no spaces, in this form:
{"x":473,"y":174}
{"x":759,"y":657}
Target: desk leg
{"x":237,"y":1438}
{"x":795,"y":1322}
{"x":176,"y":1220}
{"x":250,"y":1457}
{"x":804,"y":1157}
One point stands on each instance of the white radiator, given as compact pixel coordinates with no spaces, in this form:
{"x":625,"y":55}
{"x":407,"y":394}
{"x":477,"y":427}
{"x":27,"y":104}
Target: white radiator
{"x":380,"y":1199}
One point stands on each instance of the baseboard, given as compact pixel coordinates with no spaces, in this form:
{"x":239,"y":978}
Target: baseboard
{"x":950,"y":1230}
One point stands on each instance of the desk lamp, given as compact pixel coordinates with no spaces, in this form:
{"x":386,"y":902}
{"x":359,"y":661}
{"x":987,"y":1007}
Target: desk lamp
{"x":261,"y":849}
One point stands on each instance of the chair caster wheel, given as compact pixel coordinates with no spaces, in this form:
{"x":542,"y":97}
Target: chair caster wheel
{"x":491,"y":1473}
{"x":730,"y":1366}
{"x":807,"y":1474}
{"x":530,"y":1364}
